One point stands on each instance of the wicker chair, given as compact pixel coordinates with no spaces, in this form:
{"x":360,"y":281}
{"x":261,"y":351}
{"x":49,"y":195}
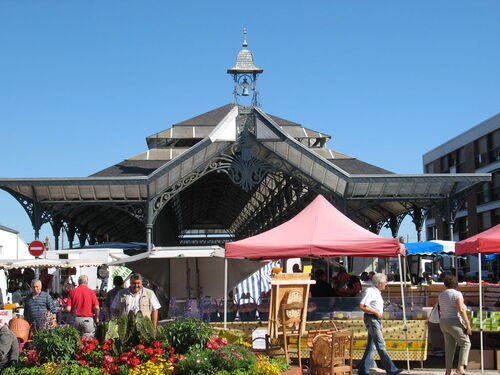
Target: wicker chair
{"x":291,"y":314}
{"x":332,"y":353}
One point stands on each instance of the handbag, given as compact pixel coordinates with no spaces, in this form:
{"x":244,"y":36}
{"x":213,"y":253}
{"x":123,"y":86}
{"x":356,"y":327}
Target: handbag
{"x":434,"y":317}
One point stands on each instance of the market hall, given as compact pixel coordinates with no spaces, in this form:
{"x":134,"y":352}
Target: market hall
{"x":230,"y":173}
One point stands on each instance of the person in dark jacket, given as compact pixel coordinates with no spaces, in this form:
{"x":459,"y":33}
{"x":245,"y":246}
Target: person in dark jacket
{"x":9,"y":347}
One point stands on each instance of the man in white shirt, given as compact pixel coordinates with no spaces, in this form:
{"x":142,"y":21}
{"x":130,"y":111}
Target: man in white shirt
{"x":136,"y":298}
{"x":372,"y":304}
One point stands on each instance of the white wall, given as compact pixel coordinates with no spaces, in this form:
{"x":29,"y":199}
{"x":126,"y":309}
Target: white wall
{"x":11,"y":247}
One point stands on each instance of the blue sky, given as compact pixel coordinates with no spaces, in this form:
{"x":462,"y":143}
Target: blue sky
{"x":82,"y":83}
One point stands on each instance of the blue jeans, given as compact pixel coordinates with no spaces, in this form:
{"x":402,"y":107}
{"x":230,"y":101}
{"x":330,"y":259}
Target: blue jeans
{"x":375,"y":341}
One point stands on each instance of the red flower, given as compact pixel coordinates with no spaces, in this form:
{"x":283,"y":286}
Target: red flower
{"x":140,"y":347}
{"x":157,"y":344}
{"x":159,"y":351}
{"x":153,"y":359}
{"x":108,"y":359}
{"x":95,"y":341}
{"x":90,"y":347}
{"x":171,"y":350}
{"x":105,"y":347}
{"x":134,"y":362}
{"x":82,"y":362}
{"x":149,"y":351}
{"x":109,"y":342}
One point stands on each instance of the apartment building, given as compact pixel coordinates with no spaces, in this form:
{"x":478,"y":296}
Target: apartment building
{"x":475,"y":150}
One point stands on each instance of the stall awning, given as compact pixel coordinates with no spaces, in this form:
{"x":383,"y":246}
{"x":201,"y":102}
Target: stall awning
{"x":430,"y":247}
{"x":194,"y":271}
{"x":318,"y":230}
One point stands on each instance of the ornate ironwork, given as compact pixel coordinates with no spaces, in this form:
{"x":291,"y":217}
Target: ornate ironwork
{"x":394,"y":222}
{"x":245,"y":74}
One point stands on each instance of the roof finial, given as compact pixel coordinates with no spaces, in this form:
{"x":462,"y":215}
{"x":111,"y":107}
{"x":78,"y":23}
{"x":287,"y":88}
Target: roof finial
{"x":245,"y":44}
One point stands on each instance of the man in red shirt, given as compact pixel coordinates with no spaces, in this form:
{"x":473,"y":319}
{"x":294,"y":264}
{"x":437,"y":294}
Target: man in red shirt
{"x":82,"y":301}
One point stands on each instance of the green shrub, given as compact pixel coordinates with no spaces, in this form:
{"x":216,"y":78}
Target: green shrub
{"x":23,"y":371}
{"x":232,"y":358}
{"x":56,"y":345}
{"x":196,"y":362}
{"x":281,"y":362}
{"x":77,"y":369}
{"x":187,"y":333}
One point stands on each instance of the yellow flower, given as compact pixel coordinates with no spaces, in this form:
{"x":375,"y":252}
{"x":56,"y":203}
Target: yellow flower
{"x":49,"y":368}
{"x":162,"y":366}
{"x":264,"y":367}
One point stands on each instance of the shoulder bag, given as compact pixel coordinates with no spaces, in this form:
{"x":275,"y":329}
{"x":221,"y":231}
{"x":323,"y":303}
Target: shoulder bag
{"x":434,"y":316}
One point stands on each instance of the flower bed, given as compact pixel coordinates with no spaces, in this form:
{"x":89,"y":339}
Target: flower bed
{"x":131,"y":346}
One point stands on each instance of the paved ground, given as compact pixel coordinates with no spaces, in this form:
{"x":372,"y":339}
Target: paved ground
{"x":434,"y":365}
{"x":416,"y":371}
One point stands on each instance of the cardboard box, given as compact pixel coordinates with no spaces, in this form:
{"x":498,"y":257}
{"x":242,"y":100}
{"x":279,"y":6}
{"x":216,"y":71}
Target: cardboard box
{"x":475,"y":359}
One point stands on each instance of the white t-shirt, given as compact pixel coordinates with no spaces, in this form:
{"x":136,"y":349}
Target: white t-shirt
{"x":373,"y":299}
{"x":133,"y":302}
{"x":448,"y":303}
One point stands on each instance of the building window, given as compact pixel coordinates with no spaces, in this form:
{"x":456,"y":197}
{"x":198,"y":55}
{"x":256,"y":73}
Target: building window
{"x":429,"y":233}
{"x":495,"y":146}
{"x":460,"y":162}
{"x":429,"y":168}
{"x":484,"y":220}
{"x":496,"y":216}
{"x":484,"y":193}
{"x":481,"y":151}
{"x":463,"y":228}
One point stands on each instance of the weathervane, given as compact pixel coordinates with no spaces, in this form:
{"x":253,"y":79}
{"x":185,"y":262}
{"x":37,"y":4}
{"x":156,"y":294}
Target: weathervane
{"x":245,"y":73}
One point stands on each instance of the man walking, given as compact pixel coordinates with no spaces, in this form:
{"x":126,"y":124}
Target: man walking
{"x":38,"y":305}
{"x":82,"y":301}
{"x":372,"y":305}
{"x":136,"y":298}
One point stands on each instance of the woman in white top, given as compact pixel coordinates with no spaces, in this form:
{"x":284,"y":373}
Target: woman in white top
{"x":454,"y":324}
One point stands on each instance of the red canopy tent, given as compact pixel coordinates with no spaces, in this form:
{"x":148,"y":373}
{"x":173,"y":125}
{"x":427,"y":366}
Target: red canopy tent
{"x":484,"y":242}
{"x":318,"y":230}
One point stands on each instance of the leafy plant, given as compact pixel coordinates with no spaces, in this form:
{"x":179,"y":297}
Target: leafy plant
{"x":76,"y":369}
{"x":232,"y":358}
{"x":128,"y":331}
{"x":23,"y":370}
{"x":196,"y":362}
{"x":56,"y":345}
{"x":187,"y":333}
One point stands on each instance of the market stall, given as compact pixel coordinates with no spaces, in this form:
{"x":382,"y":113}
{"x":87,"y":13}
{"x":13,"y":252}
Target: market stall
{"x":487,"y":242}
{"x":184,"y":272}
{"x":320,"y":230}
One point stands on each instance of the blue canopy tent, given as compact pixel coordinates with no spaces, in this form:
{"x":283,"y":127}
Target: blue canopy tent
{"x":495,"y":256}
{"x":430,"y":247}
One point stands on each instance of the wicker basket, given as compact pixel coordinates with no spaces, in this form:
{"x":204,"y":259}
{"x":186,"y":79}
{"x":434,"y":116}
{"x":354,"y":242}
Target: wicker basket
{"x":20,"y":328}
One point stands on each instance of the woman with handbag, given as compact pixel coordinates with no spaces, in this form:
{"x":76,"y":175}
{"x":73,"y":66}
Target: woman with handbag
{"x":454,"y":324}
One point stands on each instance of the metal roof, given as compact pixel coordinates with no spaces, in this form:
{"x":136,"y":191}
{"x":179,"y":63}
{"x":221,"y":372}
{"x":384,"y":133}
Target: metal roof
{"x":192,"y":186}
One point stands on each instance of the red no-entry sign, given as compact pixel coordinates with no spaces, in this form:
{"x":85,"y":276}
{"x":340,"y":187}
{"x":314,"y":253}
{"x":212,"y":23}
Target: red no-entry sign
{"x":36,"y":248}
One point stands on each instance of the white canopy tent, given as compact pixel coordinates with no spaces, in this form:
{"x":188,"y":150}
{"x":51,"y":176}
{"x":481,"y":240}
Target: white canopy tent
{"x":196,"y":271}
{"x":8,"y":264}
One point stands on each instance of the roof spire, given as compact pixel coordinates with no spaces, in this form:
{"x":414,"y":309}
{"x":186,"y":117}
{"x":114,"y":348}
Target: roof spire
{"x":245,"y":74}
{"x":245,"y":44}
